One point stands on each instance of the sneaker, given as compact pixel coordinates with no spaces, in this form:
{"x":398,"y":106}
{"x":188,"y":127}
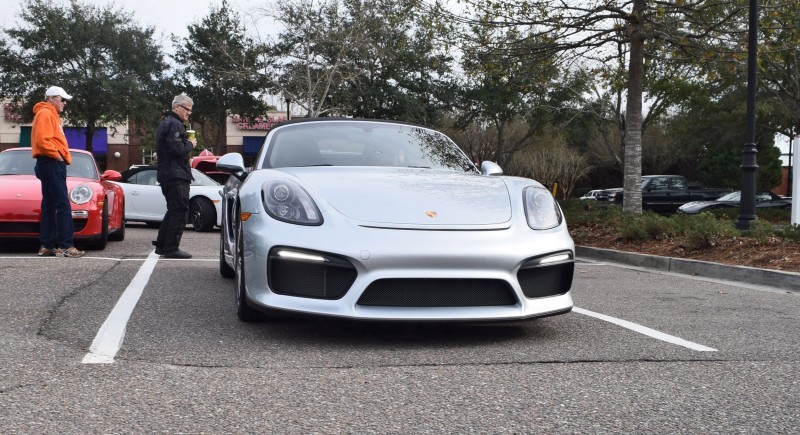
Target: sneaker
{"x":159,"y":249}
{"x":46,"y":252}
{"x":69,"y":252}
{"x":178,"y":254}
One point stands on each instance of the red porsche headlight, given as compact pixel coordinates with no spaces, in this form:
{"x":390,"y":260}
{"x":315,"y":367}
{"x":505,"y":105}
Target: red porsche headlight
{"x":81,"y":194}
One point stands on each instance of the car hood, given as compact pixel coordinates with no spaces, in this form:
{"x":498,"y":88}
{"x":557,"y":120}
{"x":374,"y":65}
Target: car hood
{"x":697,"y":205}
{"x":22,"y":186}
{"x":410,"y":197}
{"x":17,"y":187}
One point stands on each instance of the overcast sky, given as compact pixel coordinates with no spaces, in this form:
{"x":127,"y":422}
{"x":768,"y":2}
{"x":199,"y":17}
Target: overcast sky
{"x":167,"y":16}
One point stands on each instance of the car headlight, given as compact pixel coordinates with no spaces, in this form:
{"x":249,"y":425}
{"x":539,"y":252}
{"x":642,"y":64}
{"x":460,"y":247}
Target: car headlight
{"x":541,"y":208}
{"x":286,"y":201}
{"x":81,"y":194}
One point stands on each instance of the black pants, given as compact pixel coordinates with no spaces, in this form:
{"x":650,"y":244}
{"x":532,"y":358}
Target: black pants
{"x":56,"y":227}
{"x":176,"y":192}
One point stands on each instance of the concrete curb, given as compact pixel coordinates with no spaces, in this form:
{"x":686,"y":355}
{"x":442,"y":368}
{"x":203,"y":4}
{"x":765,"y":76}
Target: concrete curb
{"x":765,"y":277}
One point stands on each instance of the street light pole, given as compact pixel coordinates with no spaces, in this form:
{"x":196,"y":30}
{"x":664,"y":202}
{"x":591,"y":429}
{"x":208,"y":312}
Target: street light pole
{"x":288,"y":99}
{"x":747,"y":205}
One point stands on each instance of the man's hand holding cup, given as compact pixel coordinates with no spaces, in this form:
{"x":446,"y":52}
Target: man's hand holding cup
{"x":191,"y":137}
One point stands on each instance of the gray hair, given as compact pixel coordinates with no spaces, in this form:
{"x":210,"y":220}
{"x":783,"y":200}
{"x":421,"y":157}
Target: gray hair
{"x":182,"y":99}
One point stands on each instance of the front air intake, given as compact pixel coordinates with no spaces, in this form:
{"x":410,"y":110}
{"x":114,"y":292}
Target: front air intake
{"x":438,"y":293}
{"x":539,"y":278}
{"x":327,"y":277}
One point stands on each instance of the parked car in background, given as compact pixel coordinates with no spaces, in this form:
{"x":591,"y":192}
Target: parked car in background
{"x":592,"y":195}
{"x":97,"y":203}
{"x":206,"y":162}
{"x":145,"y":202}
{"x":764,"y":199}
{"x":665,"y":193}
{"x":388,"y":220}
{"x":613,"y":195}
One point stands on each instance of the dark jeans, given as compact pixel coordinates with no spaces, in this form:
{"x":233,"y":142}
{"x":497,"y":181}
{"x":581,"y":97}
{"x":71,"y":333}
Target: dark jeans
{"x":55,"y":227}
{"x":176,"y":192}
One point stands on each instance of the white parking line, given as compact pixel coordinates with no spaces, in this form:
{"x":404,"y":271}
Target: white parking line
{"x":646,"y":331}
{"x":109,"y":338}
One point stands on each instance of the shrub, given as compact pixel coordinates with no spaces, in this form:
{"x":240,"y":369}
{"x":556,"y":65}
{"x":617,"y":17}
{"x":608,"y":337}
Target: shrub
{"x":791,"y":232}
{"x":705,"y":230}
{"x":648,"y":225}
{"x":760,"y":230}
{"x":581,"y":213}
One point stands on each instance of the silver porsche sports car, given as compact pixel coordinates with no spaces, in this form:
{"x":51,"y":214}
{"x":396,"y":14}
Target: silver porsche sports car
{"x":387,"y":220}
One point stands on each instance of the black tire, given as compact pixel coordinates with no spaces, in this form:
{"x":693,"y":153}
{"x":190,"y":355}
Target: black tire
{"x":202,"y":215}
{"x":245,"y":312}
{"x":99,"y":243}
{"x":224,"y":270}
{"x":119,"y":234}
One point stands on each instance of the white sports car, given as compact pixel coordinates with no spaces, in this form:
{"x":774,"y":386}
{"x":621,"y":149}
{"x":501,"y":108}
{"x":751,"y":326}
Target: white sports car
{"x":388,"y":220}
{"x":145,"y":202}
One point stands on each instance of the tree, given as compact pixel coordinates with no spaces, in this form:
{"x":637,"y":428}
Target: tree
{"x":218,"y":66}
{"x":779,"y":74}
{"x":593,"y":29}
{"x":552,"y":161}
{"x":404,"y":71}
{"x":711,"y":128}
{"x":502,"y":89}
{"x":315,"y":53}
{"x":364,"y":58}
{"x":110,"y":65}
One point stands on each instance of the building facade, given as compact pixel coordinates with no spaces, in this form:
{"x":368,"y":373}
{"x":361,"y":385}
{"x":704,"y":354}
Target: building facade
{"x":114,"y":148}
{"x":109,"y":144}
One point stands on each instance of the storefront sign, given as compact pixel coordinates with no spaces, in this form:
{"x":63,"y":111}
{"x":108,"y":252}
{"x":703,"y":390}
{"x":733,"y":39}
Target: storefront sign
{"x":10,"y":113}
{"x":265,"y":122}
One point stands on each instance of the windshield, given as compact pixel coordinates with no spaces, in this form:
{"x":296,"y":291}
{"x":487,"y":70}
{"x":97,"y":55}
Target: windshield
{"x":201,"y":179}
{"x":363,"y":143}
{"x":733,"y":196}
{"x":20,"y":162}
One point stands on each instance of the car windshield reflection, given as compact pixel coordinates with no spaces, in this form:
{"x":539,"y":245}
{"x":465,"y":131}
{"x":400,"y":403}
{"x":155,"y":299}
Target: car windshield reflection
{"x":364,"y":143}
{"x":20,"y":162}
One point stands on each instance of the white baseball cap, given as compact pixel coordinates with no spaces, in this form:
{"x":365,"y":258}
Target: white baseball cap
{"x":57,"y":91}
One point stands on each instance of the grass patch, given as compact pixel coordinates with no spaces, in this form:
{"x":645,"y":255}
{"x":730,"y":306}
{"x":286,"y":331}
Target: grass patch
{"x":695,"y":231}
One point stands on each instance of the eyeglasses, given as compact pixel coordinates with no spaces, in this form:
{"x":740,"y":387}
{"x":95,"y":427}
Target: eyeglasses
{"x":185,"y":108}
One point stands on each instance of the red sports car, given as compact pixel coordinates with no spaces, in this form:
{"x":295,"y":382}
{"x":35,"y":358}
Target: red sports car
{"x":98,"y":206}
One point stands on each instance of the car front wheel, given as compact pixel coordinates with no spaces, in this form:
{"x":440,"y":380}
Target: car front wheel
{"x":224,"y":269}
{"x":245,"y":312}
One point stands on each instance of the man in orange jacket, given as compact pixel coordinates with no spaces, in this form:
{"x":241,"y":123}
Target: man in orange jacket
{"x":49,"y":148}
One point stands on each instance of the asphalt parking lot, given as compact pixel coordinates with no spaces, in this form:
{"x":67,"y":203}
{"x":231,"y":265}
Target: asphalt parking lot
{"x":644,"y":351}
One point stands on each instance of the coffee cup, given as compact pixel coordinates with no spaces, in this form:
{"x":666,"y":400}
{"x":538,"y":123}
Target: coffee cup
{"x":190,"y":134}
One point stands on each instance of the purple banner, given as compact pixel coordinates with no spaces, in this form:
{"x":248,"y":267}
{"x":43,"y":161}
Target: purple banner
{"x":76,"y":137}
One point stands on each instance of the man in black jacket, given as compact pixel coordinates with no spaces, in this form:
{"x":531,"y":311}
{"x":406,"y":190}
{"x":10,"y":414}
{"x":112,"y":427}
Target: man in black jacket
{"x":174,"y":175}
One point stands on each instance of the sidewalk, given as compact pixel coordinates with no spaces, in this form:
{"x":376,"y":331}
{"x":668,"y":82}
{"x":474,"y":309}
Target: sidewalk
{"x":750,"y":275}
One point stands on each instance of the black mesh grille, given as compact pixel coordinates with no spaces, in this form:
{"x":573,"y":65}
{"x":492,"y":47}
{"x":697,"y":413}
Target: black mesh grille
{"x":19,"y":227}
{"x":33,"y":227}
{"x":438,"y":293}
{"x":79,"y":224}
{"x":309,"y":280}
{"x":548,"y":280}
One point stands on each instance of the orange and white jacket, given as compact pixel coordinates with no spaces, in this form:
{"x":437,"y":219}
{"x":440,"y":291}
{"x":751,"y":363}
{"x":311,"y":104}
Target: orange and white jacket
{"x":47,"y":134}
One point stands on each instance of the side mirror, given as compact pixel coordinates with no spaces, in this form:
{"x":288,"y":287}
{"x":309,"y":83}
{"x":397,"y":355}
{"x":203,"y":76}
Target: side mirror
{"x":111,"y":175}
{"x":232,"y":163}
{"x":491,"y":168}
